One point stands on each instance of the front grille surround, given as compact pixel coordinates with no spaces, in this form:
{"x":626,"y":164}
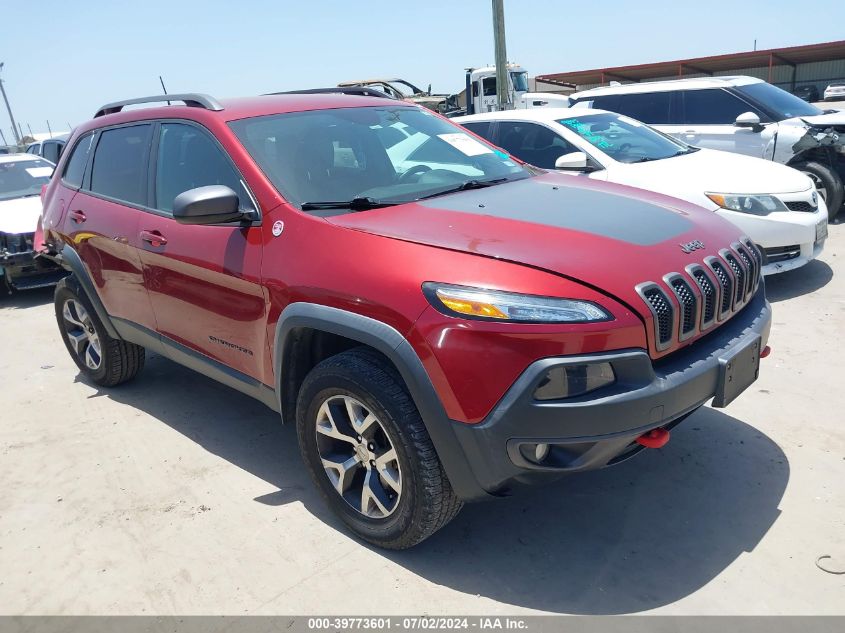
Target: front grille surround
{"x":725,"y":279}
{"x":740,"y":277}
{"x":688,"y":303}
{"x":710,"y":292}
{"x":664,"y":313}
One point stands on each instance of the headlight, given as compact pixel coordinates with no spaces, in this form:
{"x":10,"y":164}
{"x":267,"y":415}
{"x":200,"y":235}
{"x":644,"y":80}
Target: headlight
{"x":756,"y":205}
{"x":494,"y":305}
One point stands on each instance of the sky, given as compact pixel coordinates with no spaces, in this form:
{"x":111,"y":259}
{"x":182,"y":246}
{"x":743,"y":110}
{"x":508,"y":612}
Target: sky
{"x":66,"y":58}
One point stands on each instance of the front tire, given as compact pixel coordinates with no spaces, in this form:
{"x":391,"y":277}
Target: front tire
{"x":828,"y":184}
{"x":368,"y":451}
{"x":104,"y":360}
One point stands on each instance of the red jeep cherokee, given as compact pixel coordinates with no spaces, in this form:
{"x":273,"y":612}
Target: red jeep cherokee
{"x":440,"y":321}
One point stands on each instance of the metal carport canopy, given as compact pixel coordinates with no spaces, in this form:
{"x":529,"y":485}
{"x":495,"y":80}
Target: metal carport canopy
{"x":789,"y":56}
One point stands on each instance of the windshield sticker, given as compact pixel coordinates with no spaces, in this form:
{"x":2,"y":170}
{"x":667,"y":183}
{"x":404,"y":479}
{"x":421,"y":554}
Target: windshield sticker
{"x":502,"y":155}
{"x":583,"y":130}
{"x":39,"y":172}
{"x":465,"y":143}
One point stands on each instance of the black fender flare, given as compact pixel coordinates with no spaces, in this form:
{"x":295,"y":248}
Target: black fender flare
{"x":70,"y":260}
{"x":390,"y":342}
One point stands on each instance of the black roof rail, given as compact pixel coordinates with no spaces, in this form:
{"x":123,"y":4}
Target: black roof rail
{"x":358,"y":91}
{"x":191,"y":99}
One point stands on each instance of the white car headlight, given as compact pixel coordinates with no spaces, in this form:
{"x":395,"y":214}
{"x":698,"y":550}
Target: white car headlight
{"x":494,"y":305}
{"x":756,"y":205}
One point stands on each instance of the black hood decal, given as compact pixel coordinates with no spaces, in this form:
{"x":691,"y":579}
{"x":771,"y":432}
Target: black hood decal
{"x":591,"y":211}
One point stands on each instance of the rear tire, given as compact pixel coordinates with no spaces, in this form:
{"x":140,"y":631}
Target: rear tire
{"x":104,"y":360}
{"x":368,"y":451}
{"x":828,"y":184}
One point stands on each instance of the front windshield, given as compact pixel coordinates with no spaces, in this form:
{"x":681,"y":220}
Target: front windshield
{"x":623,"y":139}
{"x":389,"y":154}
{"x":23,"y":178}
{"x":778,"y":102}
{"x":520,"y":81}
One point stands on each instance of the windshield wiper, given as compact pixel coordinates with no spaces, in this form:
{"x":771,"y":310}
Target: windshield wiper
{"x":469,"y":184}
{"x":356,"y":204}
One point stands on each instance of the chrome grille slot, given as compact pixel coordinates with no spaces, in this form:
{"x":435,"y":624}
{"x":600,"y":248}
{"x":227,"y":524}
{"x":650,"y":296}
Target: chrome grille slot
{"x":739,"y":275}
{"x":663,"y":311}
{"x":751,"y":266}
{"x":709,"y":295}
{"x":726,"y":284}
{"x":687,"y":302}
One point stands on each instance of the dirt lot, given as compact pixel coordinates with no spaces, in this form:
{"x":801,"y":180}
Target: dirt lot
{"x":176,"y":495}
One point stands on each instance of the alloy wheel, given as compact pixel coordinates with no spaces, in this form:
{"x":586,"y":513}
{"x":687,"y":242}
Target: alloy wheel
{"x":358,"y":456}
{"x":82,"y":334}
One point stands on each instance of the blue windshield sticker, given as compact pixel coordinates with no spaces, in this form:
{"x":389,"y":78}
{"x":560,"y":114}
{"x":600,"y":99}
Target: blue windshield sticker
{"x":502,"y":155}
{"x":584,"y":131}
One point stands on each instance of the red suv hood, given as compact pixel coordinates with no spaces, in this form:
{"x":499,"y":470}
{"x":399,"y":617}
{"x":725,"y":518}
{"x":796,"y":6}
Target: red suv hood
{"x":608,"y":236}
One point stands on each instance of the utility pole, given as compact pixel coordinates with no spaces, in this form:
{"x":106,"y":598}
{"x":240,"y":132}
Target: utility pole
{"x":9,"y":109}
{"x":502,"y":93}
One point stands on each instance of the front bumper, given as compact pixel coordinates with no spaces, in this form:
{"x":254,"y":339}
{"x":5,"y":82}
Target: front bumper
{"x":601,"y":428}
{"x":788,"y":239}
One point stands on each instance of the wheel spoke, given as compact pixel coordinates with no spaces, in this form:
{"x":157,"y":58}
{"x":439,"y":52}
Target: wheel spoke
{"x":360,"y":419}
{"x":78,"y":341}
{"x":374,"y":501}
{"x":387,"y":466}
{"x":71,"y":314}
{"x":341,"y":471}
{"x":327,"y":426}
{"x":92,"y":354}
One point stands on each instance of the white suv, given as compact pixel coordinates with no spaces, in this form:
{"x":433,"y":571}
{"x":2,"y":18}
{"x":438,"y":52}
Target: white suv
{"x":742,"y":115}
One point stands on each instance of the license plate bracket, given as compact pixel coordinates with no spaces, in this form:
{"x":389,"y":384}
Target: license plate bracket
{"x":737,"y":371}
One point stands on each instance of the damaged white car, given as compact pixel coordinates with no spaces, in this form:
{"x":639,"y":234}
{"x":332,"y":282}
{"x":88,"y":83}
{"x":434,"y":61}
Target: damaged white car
{"x":739,"y":114}
{"x":21,"y":179}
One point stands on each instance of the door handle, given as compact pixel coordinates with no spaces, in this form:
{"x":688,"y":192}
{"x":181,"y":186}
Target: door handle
{"x":78,"y":216}
{"x":153,"y":238}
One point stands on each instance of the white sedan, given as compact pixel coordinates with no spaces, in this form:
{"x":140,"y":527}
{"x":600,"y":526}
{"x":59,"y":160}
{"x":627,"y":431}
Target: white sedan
{"x":775,"y":205}
{"x":21,"y":179}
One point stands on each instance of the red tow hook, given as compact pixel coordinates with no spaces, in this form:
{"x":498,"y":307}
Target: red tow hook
{"x":656,"y":438}
{"x":766,"y":351}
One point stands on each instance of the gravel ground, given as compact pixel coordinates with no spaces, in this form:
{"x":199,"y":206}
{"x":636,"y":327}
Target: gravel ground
{"x":175,"y":495}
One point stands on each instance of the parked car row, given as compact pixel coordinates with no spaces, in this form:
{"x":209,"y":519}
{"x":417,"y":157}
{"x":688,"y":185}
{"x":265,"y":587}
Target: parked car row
{"x":774,"y":205}
{"x":742,"y":115}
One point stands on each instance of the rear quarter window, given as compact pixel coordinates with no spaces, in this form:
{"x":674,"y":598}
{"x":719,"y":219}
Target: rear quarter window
{"x":75,"y":166}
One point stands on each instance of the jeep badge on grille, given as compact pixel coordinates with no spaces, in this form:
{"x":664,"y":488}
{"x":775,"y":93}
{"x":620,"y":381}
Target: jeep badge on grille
{"x":689,"y":247}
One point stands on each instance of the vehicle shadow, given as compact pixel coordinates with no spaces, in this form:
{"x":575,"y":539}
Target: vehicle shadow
{"x":797,"y":282}
{"x":23,"y":299}
{"x":637,"y":536}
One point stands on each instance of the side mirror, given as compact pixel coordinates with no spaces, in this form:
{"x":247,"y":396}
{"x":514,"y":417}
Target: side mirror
{"x":213,"y":204}
{"x":749,"y":119}
{"x":574,"y":161}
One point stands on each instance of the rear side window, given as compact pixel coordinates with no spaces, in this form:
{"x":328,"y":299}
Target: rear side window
{"x":120,"y":160}
{"x":51,"y":151}
{"x":605,"y":102}
{"x":648,"y":107}
{"x":713,"y":107}
{"x":75,"y":167}
{"x":189,"y":158}
{"x":482,"y":128}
